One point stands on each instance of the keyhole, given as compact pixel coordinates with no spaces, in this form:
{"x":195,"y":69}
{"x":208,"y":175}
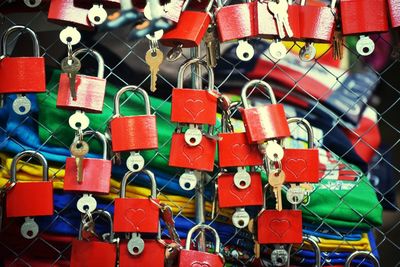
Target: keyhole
{"x":187,"y":185}
{"x":136,"y":166}
{"x":242,"y":183}
{"x":29,"y":233}
{"x":241,"y":223}
{"x":279,"y":260}
{"x":78,"y":125}
{"x":69,"y":39}
{"x":278,"y":54}
{"x":97,"y":18}
{"x":295,"y":199}
{"x":135,"y":250}
{"x":365,"y":49}
{"x":86,"y":207}
{"x":79,"y":145}
{"x":22,"y":109}
{"x":192,"y":140}
{"x":246,"y":55}
{"x":32,"y":2}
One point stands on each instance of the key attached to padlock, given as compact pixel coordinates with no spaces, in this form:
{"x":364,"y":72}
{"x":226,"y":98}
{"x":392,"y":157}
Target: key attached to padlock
{"x":127,"y":133}
{"x":154,"y":57}
{"x":21,"y":75}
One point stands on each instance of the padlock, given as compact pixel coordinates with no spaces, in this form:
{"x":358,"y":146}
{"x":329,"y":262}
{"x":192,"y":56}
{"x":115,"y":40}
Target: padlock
{"x":105,"y":3}
{"x":29,"y":198}
{"x":394,"y":10}
{"x":265,"y":122}
{"x":133,"y":133}
{"x":198,"y":258}
{"x":64,"y":12}
{"x":194,"y":106}
{"x":358,"y":17}
{"x":279,"y":227}
{"x":365,"y":254}
{"x":301,"y":164}
{"x":92,"y":253}
{"x":200,"y":157}
{"x":96,"y":172}
{"x":229,"y":195}
{"x":235,"y":21}
{"x":89,"y":90}
{"x":190,"y":29}
{"x":132,"y":215}
{"x":317,"y":22}
{"x":22,"y":74}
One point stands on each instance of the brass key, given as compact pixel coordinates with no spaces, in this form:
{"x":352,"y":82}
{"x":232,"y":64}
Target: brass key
{"x":71,"y":66}
{"x":79,"y":149}
{"x":276,"y":178}
{"x":154,"y":58}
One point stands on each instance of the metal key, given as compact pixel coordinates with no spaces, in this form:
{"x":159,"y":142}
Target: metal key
{"x":154,"y":58}
{"x":276,"y":178}
{"x":135,"y":244}
{"x":212,"y":45}
{"x":29,"y":228}
{"x":284,"y":16}
{"x":79,"y":149}
{"x":242,"y":178}
{"x":252,"y":229}
{"x":240,"y":218}
{"x":275,"y":9}
{"x":71,"y":65}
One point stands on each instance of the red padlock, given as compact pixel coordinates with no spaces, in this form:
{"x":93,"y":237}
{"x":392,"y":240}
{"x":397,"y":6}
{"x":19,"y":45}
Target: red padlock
{"x":299,"y":164}
{"x":153,"y":255}
{"x":198,"y":258}
{"x":91,"y":253}
{"x":235,"y":21}
{"x":317,"y":22}
{"x":105,"y":3}
{"x":394,"y":9}
{"x":132,"y":215}
{"x":22,"y":74}
{"x":200,"y":157}
{"x":96,"y":172}
{"x":266,"y":122}
{"x":229,"y":195}
{"x":358,"y":16}
{"x":194,"y":106}
{"x":64,"y":12}
{"x":89,"y":90}
{"x":190,"y":29}
{"x":133,"y":133}
{"x":28,"y":199}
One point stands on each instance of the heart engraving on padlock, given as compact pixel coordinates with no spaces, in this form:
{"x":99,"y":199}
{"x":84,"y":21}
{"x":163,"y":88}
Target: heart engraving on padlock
{"x":135,"y":217}
{"x":279,"y":227}
{"x":200,"y":264}
{"x":241,"y":195}
{"x":194,"y":107}
{"x":193,"y":153}
{"x":296,"y":166}
{"x":241,"y":152}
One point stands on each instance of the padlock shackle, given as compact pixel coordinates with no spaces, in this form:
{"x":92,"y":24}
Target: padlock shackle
{"x":366,"y":254}
{"x":203,"y":227}
{"x":36,"y":51}
{"x":96,"y":55}
{"x":33,"y":154}
{"x":101,"y":137}
{"x":254,"y":83}
{"x":102,"y":213}
{"x":122,"y":192}
{"x":316,"y":249}
{"x":132,"y":88}
{"x":309,"y":129}
{"x":185,"y":65}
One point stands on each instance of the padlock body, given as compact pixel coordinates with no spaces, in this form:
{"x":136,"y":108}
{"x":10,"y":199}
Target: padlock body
{"x":193,"y":106}
{"x":229,"y":195}
{"x":189,"y":30}
{"x":265,"y":123}
{"x":22,"y":75}
{"x":236,"y":21}
{"x":134,"y":133}
{"x":64,"y":12}
{"x":89,"y":90}
{"x":280,"y":227}
{"x":200,"y":157}
{"x":152,"y":255}
{"x":394,"y":10}
{"x":265,"y":24}
{"x":135,"y":216}
{"x":199,"y":259}
{"x":28,"y":199}
{"x":294,"y":21}
{"x":360,"y":16}
{"x":93,"y":254}
{"x":234,"y":150}
{"x":96,"y":176}
{"x":300,"y":165}
{"x":317,"y":23}
{"x":105,"y":3}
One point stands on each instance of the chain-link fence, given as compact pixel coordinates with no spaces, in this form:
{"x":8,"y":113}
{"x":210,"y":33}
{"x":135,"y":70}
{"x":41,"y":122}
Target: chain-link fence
{"x":352,"y":105}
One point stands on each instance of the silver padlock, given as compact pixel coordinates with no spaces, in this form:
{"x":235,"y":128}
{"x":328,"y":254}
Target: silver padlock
{"x":29,"y":228}
{"x":21,"y":105}
{"x":193,"y":135}
{"x":273,"y":150}
{"x":188,"y":180}
{"x":244,"y":51}
{"x":240,"y":218}
{"x":86,"y":203}
{"x":70,"y":35}
{"x":135,"y":244}
{"x":32,"y":3}
{"x":277,"y":50}
{"x":295,"y":195}
{"x":279,"y":257}
{"x":79,"y":120}
{"x":97,"y":14}
{"x":365,"y":46}
{"x":242,"y":178}
{"x":135,"y":162}
{"x":307,"y":52}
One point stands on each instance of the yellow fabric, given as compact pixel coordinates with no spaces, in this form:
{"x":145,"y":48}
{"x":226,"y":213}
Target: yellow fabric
{"x":33,"y":172}
{"x":342,"y":245}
